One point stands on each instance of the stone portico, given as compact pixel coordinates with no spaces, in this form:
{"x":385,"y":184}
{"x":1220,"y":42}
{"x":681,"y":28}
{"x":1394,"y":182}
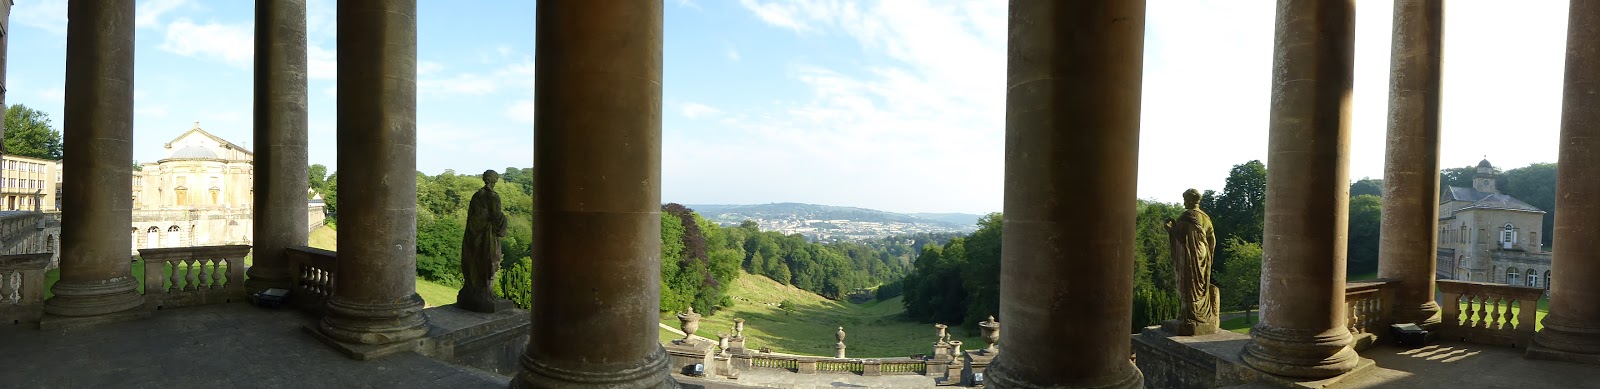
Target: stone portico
{"x":1073,"y":86}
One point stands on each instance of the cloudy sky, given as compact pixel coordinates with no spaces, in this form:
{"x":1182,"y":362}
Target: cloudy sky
{"x":893,"y":105}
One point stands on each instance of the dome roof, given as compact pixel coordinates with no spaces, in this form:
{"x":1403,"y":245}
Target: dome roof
{"x":1485,"y":163}
{"x":194,"y":152}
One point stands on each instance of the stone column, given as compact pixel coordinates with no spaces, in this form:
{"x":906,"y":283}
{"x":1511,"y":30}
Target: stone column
{"x":1302,"y":330}
{"x":1072,"y":122}
{"x":376,"y":300}
{"x":1410,"y":241}
{"x":1573,"y":325}
{"x":597,"y":208}
{"x":97,"y":123}
{"x":279,"y":204}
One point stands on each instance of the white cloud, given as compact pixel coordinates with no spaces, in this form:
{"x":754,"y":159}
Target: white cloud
{"x":461,"y":84}
{"x":425,"y":68}
{"x":786,"y":15}
{"x":321,"y":64}
{"x":732,"y":53}
{"x":231,"y":43}
{"x":149,"y":12}
{"x":690,"y":4}
{"x":696,"y":110}
{"x":521,"y":111}
{"x":48,"y":15}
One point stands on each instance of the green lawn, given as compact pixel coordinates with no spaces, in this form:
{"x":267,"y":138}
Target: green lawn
{"x":876,"y":329}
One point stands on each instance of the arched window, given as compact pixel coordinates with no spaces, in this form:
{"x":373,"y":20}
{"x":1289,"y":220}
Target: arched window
{"x":152,"y":238}
{"x":172,"y":236}
{"x":1533,"y":278}
{"x":1511,"y":276}
{"x":1508,"y":234}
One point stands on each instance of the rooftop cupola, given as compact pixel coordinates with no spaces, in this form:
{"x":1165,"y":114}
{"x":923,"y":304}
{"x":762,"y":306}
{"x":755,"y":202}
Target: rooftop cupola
{"x":1484,"y":180}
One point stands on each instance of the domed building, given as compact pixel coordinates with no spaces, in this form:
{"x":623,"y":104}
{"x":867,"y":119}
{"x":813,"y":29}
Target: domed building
{"x":1488,"y":236}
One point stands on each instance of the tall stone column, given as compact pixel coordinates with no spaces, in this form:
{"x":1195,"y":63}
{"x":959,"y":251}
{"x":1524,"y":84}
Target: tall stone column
{"x":1409,"y":245}
{"x":376,"y":300}
{"x":1302,"y":330}
{"x":97,"y":119}
{"x":279,"y":206}
{"x":1573,"y":325}
{"x":597,"y":206}
{"x":1072,"y":122}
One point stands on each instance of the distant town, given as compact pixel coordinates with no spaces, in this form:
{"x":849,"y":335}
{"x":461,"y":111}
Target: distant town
{"x":824,"y":223}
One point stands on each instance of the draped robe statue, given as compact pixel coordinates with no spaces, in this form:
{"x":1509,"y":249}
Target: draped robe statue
{"x":1194,"y":247}
{"x":480,"y":249}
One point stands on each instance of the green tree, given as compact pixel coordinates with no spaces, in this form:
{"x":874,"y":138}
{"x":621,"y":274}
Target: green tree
{"x":1243,"y":204}
{"x":318,"y":176}
{"x":1365,"y":228}
{"x":330,"y":196}
{"x":981,"y":275}
{"x":1241,"y":284}
{"x":28,"y":133}
{"x":1535,"y":184}
{"x":515,"y":283}
{"x":1367,"y":186}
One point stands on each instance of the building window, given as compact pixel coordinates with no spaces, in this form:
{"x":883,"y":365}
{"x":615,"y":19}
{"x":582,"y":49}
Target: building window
{"x":1547,"y":280}
{"x":152,"y":238}
{"x":1511,"y":276}
{"x":172,"y":236}
{"x":1533,"y":278}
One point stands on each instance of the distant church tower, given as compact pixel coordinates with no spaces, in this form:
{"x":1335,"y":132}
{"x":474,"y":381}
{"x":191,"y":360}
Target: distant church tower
{"x":1484,"y":180}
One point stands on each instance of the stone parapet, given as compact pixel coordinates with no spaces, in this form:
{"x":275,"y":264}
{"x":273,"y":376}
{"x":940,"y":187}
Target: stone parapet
{"x":1211,"y":361}
{"x":682,"y":355}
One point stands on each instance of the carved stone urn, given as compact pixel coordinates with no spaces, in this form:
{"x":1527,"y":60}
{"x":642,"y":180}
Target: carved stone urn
{"x":942,"y":334}
{"x":840,"y":335}
{"x":688,"y":322}
{"x":955,"y":348}
{"x":991,"y":334}
{"x":738,"y":328}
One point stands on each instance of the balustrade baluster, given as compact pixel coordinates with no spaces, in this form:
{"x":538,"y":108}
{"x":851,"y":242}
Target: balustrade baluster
{"x":1494,"y":317}
{"x":1477,"y":311}
{"x":217,"y":268}
{"x":4,"y":284}
{"x":16,"y":286}
{"x":177,"y":275}
{"x":1511,"y":316}
{"x":190,"y":276}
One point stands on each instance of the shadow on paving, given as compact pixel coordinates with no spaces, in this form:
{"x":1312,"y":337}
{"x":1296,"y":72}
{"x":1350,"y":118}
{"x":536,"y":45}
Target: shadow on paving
{"x":1465,"y":365}
{"x":224,"y":345}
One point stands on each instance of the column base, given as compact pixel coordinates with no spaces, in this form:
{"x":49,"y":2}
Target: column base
{"x":1000,"y":375}
{"x":374,"y":323}
{"x":1560,"y":335}
{"x":81,"y":299}
{"x":1426,"y":315}
{"x":52,"y":322}
{"x":1300,"y":353}
{"x":258,"y":278}
{"x":650,"y":373}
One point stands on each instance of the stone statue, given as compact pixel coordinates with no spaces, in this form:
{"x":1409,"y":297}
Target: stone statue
{"x":1194,"y":247}
{"x":480,"y":249}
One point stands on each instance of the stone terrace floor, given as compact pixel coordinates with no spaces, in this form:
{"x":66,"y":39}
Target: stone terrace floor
{"x":214,"y":346}
{"x":768,"y":378}
{"x":1467,"y":365}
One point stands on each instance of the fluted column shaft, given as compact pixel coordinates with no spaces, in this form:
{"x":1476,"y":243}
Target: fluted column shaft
{"x":1573,"y":324}
{"x":376,"y":300}
{"x":97,"y":119}
{"x":1302,"y":331}
{"x":279,"y":206}
{"x":1073,"y":81}
{"x":1410,"y":240}
{"x":597,"y":206}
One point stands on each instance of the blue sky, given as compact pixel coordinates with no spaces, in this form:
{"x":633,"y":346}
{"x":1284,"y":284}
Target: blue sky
{"x":893,"y":105}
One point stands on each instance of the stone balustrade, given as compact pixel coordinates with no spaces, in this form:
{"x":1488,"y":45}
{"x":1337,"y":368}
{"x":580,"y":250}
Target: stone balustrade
{"x":1367,"y":309}
{"x":312,"y":271}
{"x":19,"y":233}
{"x":187,"y":276}
{"x":22,"y":287}
{"x":809,"y":365}
{"x":1487,"y":317}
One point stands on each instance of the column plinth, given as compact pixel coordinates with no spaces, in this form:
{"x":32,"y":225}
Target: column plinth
{"x":279,"y":206}
{"x":1072,"y":121}
{"x":376,"y":297}
{"x":597,"y":207}
{"x":1409,"y":244}
{"x":97,"y":129}
{"x":1573,"y":325}
{"x":1302,"y":333}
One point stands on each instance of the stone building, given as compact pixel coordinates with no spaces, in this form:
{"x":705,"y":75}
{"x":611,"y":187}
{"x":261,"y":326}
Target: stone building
{"x":198,"y":195}
{"x":27,"y":183}
{"x":1488,"y":236}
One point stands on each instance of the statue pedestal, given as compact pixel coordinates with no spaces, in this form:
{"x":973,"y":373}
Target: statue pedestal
{"x":682,"y":355}
{"x":975,"y":363}
{"x":1210,"y":361}
{"x":478,"y":305}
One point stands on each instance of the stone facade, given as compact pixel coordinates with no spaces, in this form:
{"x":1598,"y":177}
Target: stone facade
{"x":27,"y":183}
{"x":1487,"y":236}
{"x":199,"y":195}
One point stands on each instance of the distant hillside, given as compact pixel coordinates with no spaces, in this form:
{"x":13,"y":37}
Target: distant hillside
{"x":724,"y":213}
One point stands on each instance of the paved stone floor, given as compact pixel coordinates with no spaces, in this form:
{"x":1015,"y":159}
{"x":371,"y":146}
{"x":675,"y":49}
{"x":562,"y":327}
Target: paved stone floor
{"x":214,"y":346}
{"x":1464,"y":365}
{"x":769,"y":378}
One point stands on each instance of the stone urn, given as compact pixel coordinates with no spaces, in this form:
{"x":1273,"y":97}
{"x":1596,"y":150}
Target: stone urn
{"x":689,"y":322}
{"x":942,"y":335}
{"x":722,"y":342}
{"x":955,"y":348}
{"x":738,"y":328}
{"x":991,"y":334}
{"x":840,"y":335}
